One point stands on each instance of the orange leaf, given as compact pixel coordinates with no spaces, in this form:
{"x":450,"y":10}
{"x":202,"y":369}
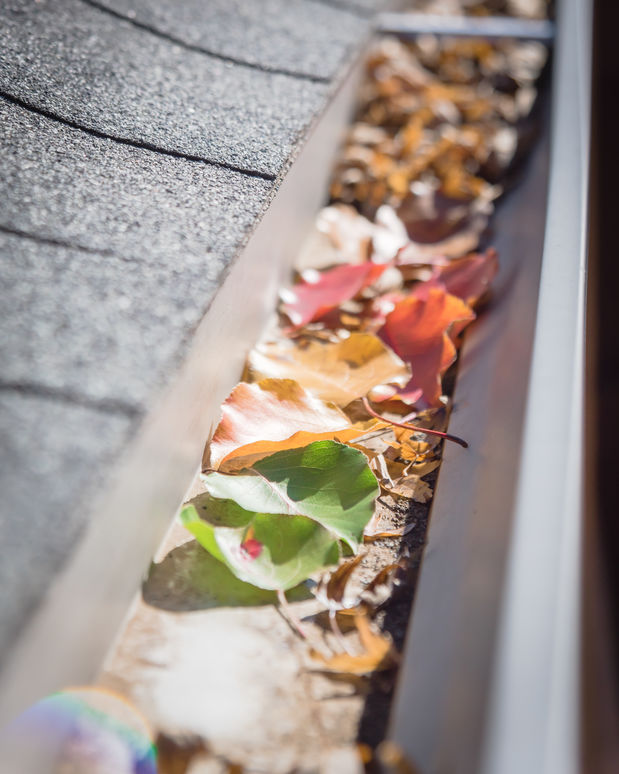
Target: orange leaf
{"x":418,"y":331}
{"x":378,"y":652}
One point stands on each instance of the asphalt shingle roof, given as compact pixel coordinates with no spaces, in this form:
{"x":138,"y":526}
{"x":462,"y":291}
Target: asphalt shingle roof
{"x":140,"y":143}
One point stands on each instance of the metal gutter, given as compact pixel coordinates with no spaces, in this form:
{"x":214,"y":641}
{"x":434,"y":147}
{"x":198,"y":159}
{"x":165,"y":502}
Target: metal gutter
{"x":490,"y":677}
{"x":534,"y":707}
{"x":413,"y":24}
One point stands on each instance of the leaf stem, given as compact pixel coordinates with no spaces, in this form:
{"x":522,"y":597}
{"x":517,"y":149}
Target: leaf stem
{"x":415,"y":428}
{"x":289,"y":615}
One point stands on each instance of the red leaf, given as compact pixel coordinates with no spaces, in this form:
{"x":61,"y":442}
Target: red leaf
{"x":251,"y":548}
{"x":467,"y":278}
{"x":311,"y":300}
{"x":418,"y":331}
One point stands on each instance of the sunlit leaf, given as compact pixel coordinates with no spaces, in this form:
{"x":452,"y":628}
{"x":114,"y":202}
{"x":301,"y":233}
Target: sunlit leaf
{"x":281,"y":553}
{"x":338,"y":372}
{"x":326,"y":481}
{"x":418,"y":331}
{"x":378,"y":652}
{"x":319,"y":293}
{"x":274,"y":414}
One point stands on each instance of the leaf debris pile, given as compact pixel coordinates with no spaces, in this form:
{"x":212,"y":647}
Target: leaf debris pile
{"x":328,"y":450}
{"x":341,"y":415}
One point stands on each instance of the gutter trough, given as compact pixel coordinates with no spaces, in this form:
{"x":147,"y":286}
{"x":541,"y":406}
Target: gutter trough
{"x":490,"y":675}
{"x":490,"y":681}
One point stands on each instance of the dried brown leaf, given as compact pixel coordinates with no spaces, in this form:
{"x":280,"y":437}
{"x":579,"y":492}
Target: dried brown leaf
{"x":378,"y":652}
{"x":412,"y":488}
{"x":333,"y":589}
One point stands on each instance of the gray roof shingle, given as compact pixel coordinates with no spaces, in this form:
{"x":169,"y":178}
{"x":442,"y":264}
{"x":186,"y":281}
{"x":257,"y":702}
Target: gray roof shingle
{"x":133,"y":169}
{"x":94,"y":326}
{"x":51,"y":453}
{"x":296,"y":36}
{"x":63,"y":184}
{"x":87,"y":67}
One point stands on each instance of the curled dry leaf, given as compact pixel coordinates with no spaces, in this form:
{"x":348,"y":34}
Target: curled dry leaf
{"x":338,"y":372}
{"x":331,"y":591}
{"x":418,"y":331}
{"x":438,"y":225}
{"x":412,"y":488}
{"x":380,"y":588}
{"x":319,"y":293}
{"x":274,"y":414}
{"x":422,"y":456}
{"x":395,"y":532}
{"x":378,"y":652}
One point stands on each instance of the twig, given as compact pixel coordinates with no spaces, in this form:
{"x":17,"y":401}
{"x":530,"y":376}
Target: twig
{"x":414,"y":428}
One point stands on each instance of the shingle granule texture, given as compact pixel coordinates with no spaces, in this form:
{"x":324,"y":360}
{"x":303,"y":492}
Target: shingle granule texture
{"x":293,"y":35}
{"x":43,"y":443}
{"x":83,"y":65}
{"x":96,"y":326}
{"x":60,"y":183}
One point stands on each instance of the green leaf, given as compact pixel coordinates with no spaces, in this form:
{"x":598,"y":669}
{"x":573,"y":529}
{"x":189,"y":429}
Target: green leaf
{"x":190,"y":578}
{"x":328,"y":482}
{"x":267,"y":550}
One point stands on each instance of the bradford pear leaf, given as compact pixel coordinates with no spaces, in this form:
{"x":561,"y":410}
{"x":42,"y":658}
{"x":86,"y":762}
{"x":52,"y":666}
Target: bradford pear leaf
{"x":467,"y":278}
{"x":418,"y":331}
{"x":274,"y":414}
{"x":339,"y":371}
{"x":326,"y":481}
{"x":319,"y":293}
{"x":190,"y":578}
{"x":270,"y":551}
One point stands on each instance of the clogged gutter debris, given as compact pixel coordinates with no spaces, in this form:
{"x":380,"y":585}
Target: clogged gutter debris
{"x":344,"y":401}
{"x":320,"y":474}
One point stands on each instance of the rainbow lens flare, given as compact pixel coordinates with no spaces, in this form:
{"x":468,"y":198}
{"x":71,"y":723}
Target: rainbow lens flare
{"x":78,"y":731}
